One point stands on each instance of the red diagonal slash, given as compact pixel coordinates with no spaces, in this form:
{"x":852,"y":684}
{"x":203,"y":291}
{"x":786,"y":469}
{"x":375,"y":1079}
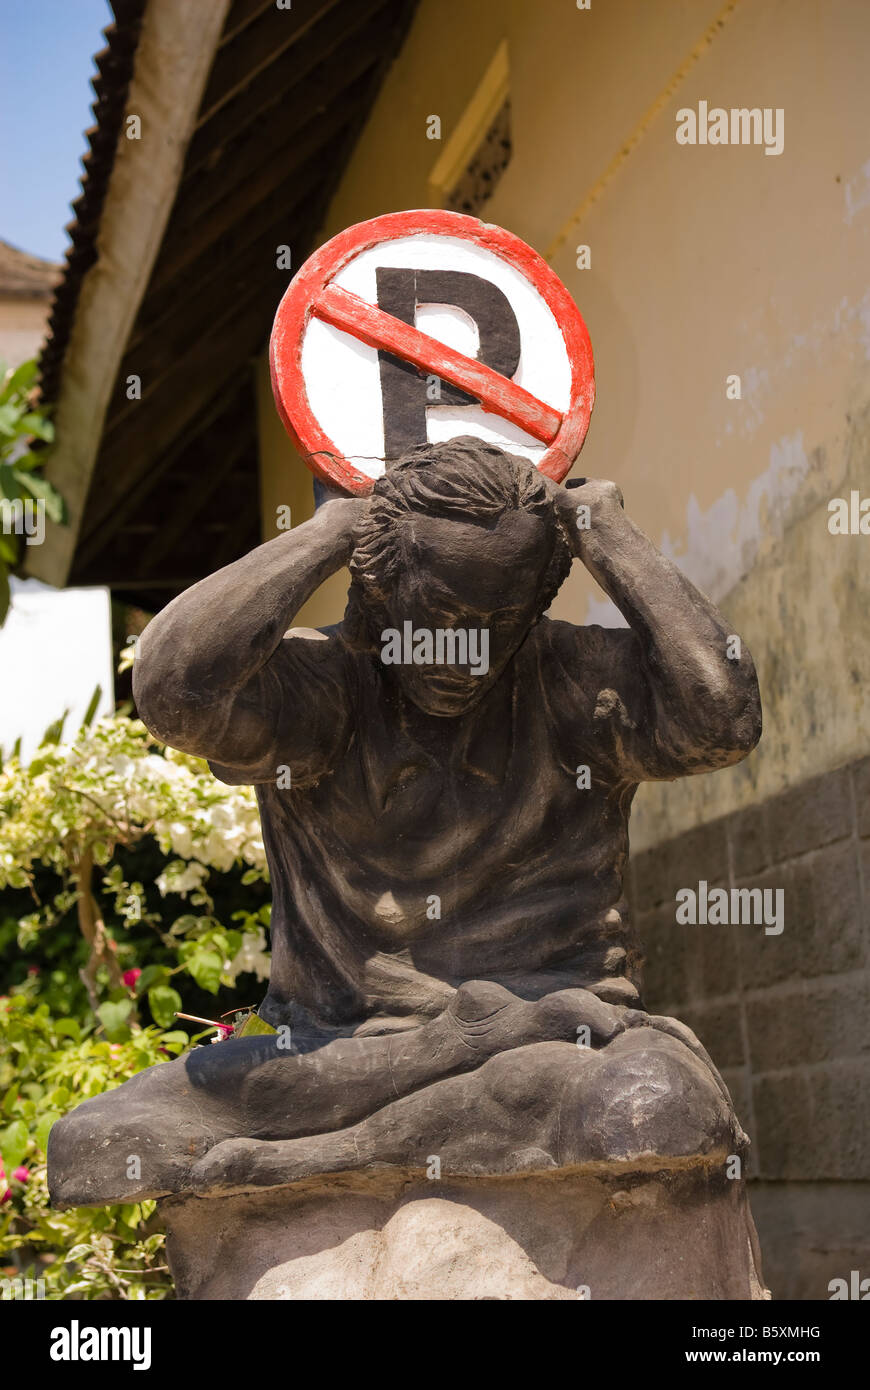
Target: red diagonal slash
{"x":379,"y":330}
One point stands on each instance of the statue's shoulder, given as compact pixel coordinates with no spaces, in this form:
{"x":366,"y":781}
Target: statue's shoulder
{"x":587,"y":643}
{"x":328,"y":657}
{"x":314,"y":646}
{"x":312,"y":659}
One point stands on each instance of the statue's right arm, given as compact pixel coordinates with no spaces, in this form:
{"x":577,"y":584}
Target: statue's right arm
{"x":211,"y":675}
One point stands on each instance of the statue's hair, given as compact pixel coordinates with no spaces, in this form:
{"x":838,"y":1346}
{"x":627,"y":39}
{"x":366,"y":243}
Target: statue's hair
{"x":465,"y":478}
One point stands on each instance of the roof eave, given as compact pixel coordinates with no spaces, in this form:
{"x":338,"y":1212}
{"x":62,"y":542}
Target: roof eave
{"x":173,"y":59}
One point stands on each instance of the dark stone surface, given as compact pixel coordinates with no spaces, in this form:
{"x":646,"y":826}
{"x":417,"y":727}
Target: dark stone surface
{"x":667,"y":944}
{"x":812,"y":1233}
{"x":712,"y":956}
{"x":840,"y":1119}
{"x":654,"y":877}
{"x":747,"y":832}
{"x":456,"y":1033}
{"x":718,"y":1026}
{"x":785,"y":1144}
{"x":861,"y":788}
{"x":803,"y":1026}
{"x":802,"y":999}
{"x":493,"y":1085}
{"x":707,"y":847}
{"x":815,"y":813}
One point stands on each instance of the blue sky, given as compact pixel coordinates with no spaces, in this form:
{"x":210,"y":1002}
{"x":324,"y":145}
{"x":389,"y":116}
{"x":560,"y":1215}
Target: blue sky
{"x":46,"y":63}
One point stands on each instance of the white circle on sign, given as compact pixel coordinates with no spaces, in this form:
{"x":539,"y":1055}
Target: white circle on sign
{"x":342,"y":375}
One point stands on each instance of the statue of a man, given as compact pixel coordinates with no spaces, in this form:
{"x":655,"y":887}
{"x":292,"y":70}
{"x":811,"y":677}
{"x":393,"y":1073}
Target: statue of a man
{"x":446,"y":839}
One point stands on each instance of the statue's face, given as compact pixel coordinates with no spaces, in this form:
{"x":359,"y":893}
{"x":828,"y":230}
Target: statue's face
{"x":482,"y":580}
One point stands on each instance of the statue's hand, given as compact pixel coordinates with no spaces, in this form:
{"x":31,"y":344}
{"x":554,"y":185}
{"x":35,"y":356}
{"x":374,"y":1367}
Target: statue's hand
{"x":579,"y":507}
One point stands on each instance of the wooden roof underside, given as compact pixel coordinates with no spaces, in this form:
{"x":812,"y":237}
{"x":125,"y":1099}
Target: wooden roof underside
{"x":175,"y":491}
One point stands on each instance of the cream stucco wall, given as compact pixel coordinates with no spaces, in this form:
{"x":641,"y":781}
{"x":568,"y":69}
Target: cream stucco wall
{"x":706,"y":261}
{"x":286,"y":482}
{"x":22,"y":328}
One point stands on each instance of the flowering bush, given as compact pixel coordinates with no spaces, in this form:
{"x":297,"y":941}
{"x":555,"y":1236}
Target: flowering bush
{"x":47,"y":1066}
{"x":75,"y":807}
{"x":132,"y":886}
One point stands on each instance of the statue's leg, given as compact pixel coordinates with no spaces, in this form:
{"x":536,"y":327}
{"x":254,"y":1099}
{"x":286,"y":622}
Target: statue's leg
{"x":142,"y":1139}
{"x":544,"y":1105}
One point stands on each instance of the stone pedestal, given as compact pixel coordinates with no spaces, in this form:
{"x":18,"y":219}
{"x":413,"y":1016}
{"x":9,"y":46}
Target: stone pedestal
{"x":604,"y":1231}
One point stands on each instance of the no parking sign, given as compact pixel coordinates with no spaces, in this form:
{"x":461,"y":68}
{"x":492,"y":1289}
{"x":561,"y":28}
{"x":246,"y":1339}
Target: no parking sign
{"x":419,"y":326}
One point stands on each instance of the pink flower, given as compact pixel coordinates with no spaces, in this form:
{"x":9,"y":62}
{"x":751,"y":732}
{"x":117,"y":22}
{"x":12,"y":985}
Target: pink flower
{"x":4,"y":1196}
{"x":131,"y":976}
{"x":21,"y":1174}
{"x":33,"y":970}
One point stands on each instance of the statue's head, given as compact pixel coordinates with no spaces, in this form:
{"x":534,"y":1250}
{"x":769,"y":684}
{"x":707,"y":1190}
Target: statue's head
{"x":461,"y":537}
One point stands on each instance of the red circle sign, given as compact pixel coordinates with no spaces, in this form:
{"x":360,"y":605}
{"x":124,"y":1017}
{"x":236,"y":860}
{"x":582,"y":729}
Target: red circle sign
{"x":314,"y":295}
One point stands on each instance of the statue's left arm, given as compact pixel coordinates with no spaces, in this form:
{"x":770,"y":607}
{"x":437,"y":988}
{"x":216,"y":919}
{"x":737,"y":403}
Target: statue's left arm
{"x":687,"y":686}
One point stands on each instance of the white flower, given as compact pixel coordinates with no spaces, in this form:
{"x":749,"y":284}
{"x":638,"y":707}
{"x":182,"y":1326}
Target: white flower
{"x":181,"y":839}
{"x":183,"y":879}
{"x":252,"y":957}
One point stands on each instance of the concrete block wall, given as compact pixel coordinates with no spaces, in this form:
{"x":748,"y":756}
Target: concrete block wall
{"x":785,"y":1017}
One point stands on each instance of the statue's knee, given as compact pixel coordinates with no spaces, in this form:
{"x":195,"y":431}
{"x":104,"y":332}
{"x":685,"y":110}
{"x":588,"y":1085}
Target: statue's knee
{"x":654,"y":1096}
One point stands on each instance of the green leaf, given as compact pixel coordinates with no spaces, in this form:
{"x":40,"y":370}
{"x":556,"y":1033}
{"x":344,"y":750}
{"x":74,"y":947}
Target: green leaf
{"x":43,"y":1127}
{"x":13,"y":1146}
{"x":114,"y":1019}
{"x":4,"y":593}
{"x":19,"y":381}
{"x":31,"y":458}
{"x":68,"y":1028}
{"x":38,"y":425}
{"x":93,"y":704}
{"x":8,"y":548}
{"x":37,"y":486}
{"x":206,"y":967}
{"x":10,"y":487}
{"x":78,"y":1252}
{"x":164,"y":1003}
{"x":187,"y":922}
{"x":252,"y":1025}
{"x":54,"y":732}
{"x":151,"y":975}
